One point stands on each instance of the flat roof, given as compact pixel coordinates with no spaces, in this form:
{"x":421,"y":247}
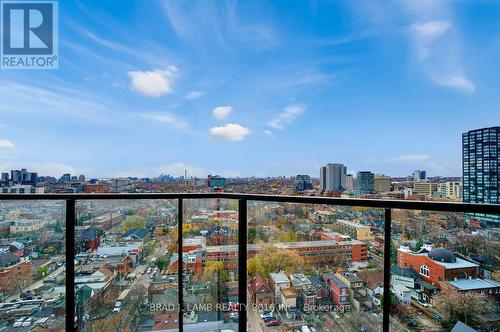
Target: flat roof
{"x":352,"y":223}
{"x":283,"y":245}
{"x":279,"y":278}
{"x":472,"y":284}
{"x":458,"y":264}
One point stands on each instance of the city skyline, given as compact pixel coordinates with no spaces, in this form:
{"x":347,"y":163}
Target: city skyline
{"x":253,"y":89}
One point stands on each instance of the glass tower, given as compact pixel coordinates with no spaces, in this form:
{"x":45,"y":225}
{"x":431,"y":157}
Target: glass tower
{"x":480,"y":166}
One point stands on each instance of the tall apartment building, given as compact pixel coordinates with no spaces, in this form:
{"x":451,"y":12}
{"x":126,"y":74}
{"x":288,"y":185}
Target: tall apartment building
{"x":333,"y":177}
{"x":350,"y":184}
{"x":5,"y":177}
{"x":451,"y":189}
{"x":419,"y":176}
{"x":382,"y":183}
{"x":480,"y":165}
{"x":365,"y":183}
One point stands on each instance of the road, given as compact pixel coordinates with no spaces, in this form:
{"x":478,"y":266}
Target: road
{"x":36,"y":284}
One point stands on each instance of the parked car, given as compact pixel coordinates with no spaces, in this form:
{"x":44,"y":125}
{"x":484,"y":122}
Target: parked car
{"x":411,"y":321}
{"x":266,"y":314}
{"x":273,"y":322}
{"x":437,"y":317}
{"x":116,"y":310}
{"x":423,"y":304}
{"x":234,"y":316}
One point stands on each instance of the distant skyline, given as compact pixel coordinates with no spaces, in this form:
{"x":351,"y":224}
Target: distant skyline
{"x":255,"y":88}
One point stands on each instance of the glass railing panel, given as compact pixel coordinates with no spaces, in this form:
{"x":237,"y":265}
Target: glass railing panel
{"x":210,"y":259}
{"x":314,"y":267}
{"x":124,"y":272}
{"x":444,"y":271}
{"x":32,"y":265}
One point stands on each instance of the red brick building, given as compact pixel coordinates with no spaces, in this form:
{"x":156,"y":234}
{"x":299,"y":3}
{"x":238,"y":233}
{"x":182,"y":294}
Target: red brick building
{"x":339,"y":292}
{"x":261,"y":292}
{"x":436,"y":265}
{"x":14,"y":272}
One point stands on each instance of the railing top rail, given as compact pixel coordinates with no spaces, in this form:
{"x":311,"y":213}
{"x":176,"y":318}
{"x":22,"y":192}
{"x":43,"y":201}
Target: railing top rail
{"x":357,"y":202}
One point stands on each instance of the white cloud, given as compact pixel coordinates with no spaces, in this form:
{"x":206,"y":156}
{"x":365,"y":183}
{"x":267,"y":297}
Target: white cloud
{"x":409,"y":158}
{"x":154,"y":83}
{"x":191,"y":95}
{"x":426,"y":33}
{"x":268,"y":133}
{"x":288,"y":116}
{"x":222,"y":112}
{"x":457,"y":81}
{"x":230,"y":132}
{"x":5,"y":144}
{"x":166,"y":118}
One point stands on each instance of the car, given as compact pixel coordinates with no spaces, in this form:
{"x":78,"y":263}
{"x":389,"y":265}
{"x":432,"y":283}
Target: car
{"x":26,"y":323}
{"x":116,"y":310}
{"x":268,"y":318}
{"x":273,"y":322}
{"x":411,"y":321}
{"x":266,"y":314}
{"x":234,"y":316}
{"x":423,"y":304}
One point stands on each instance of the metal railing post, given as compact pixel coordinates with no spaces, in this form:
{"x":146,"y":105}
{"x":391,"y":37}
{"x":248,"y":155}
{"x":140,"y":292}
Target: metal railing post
{"x":70,"y":264}
{"x":387,"y":270}
{"x":242,"y":264}
{"x":180,"y":266}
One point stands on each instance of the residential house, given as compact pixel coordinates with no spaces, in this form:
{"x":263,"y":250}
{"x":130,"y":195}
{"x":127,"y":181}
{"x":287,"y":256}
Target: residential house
{"x":261,"y":292}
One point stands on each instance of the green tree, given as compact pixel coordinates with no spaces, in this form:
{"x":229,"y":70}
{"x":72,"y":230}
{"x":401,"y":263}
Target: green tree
{"x":42,"y":271}
{"x":288,"y":236}
{"x":48,"y":250}
{"x":161,"y":263}
{"x":420,"y":243}
{"x":133,"y":222}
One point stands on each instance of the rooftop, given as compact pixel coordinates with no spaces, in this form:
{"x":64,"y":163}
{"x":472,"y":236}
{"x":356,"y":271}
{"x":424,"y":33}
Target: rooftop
{"x":473,"y":284}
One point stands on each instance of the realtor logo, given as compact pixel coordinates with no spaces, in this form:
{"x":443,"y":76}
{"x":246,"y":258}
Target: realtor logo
{"x":29,"y":34}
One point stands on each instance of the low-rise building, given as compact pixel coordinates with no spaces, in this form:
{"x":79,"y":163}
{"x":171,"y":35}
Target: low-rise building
{"x":338,"y":290}
{"x":278,"y":281}
{"x":261,"y":292}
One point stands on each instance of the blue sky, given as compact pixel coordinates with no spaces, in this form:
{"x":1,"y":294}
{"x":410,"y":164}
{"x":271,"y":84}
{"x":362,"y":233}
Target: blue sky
{"x":261,"y":88}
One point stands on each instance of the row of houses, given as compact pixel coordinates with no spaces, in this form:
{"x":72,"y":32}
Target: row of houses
{"x":329,"y":291}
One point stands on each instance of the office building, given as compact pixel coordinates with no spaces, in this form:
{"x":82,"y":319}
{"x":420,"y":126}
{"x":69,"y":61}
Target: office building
{"x":349,"y":182}
{"x":419,"y":175}
{"x":5,"y":177}
{"x":480,"y":165}
{"x":23,"y":176}
{"x":382,"y":183}
{"x":303,"y":182}
{"x":451,"y":189}
{"x":322,"y":178}
{"x":365,"y":183}
{"x":424,"y":188}
{"x":65,"y":178}
{"x":333,"y":177}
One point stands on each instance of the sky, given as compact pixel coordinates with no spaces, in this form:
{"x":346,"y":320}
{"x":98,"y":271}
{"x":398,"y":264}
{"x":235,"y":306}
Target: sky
{"x":255,"y":88}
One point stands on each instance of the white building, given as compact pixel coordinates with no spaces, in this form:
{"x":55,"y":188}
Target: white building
{"x":279,"y":281}
{"x":403,"y":294}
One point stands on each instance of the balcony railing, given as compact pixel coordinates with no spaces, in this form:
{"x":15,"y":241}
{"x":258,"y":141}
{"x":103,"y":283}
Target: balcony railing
{"x":71,"y":320}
